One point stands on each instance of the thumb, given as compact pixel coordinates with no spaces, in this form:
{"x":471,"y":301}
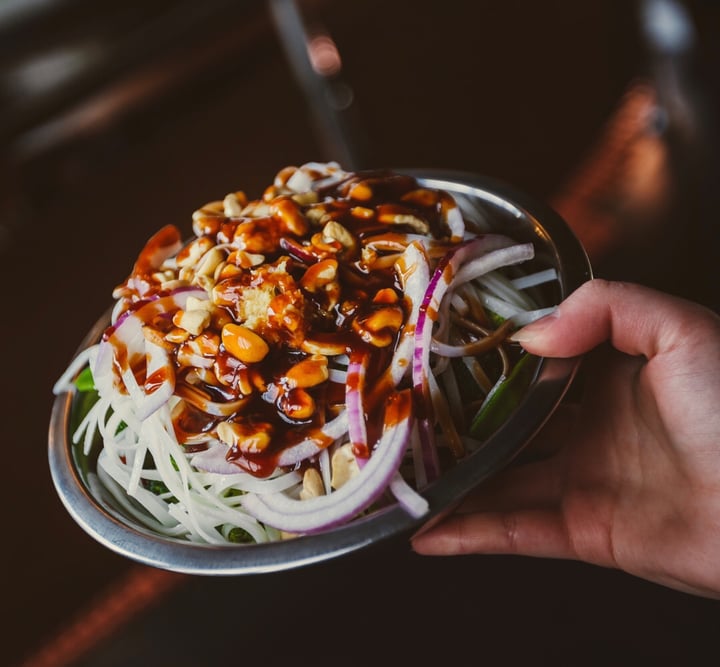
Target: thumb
{"x":636,"y":320}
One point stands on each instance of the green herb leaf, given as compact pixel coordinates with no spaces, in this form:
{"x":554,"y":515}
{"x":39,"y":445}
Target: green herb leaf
{"x":84,"y":381}
{"x":239,"y":535}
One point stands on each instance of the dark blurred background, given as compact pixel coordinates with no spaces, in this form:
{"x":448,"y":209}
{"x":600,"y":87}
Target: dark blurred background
{"x":117,"y":118}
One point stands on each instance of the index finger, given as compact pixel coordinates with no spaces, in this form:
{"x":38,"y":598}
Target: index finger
{"x":636,"y":320}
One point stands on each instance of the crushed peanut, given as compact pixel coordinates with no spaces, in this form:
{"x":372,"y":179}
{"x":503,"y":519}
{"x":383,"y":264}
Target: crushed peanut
{"x":344,"y":466}
{"x":193,"y":321}
{"x":312,"y":485}
{"x":244,"y":343}
{"x":280,"y":288}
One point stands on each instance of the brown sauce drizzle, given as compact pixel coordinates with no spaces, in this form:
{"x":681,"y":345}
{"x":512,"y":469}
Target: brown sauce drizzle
{"x":301,"y":319}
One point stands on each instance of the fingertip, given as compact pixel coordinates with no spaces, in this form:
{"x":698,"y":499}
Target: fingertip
{"x":532,"y":331}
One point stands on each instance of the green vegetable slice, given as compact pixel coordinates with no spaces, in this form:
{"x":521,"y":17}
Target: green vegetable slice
{"x":84,"y":381}
{"x":504,"y":398}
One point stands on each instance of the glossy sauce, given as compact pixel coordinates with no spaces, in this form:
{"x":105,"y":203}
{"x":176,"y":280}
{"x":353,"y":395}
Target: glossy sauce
{"x":299,"y":318}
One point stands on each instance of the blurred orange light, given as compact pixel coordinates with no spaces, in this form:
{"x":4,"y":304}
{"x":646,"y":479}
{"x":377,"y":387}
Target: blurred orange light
{"x":324,"y":55}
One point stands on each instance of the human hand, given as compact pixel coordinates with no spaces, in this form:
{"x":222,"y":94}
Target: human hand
{"x":633,"y":477}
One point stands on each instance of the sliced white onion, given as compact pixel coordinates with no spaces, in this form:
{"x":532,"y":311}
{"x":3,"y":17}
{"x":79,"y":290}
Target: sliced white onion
{"x":413,"y":270}
{"x":124,"y":342}
{"x":65,"y":382}
{"x":410,"y":500}
{"x":501,"y":287}
{"x":521,"y":319}
{"x":489,"y":261}
{"x":329,"y":433}
{"x":200,"y":400}
{"x":159,"y":379}
{"x":483,"y":247}
{"x":214,"y":460}
{"x":537,"y":278}
{"x":462,"y":264}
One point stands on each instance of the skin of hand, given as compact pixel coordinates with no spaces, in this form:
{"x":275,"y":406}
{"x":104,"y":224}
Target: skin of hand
{"x":629,"y":478}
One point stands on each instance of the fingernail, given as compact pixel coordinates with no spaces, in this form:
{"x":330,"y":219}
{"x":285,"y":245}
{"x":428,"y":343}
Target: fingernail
{"x":534,"y":329}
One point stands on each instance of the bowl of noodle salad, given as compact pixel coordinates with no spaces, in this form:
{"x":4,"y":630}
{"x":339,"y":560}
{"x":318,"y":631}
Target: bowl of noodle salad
{"x":312,"y":370}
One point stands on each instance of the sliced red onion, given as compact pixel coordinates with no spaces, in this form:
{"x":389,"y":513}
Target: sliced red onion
{"x":443,"y":275}
{"x":159,"y":379}
{"x":474,"y":348}
{"x":214,"y":459}
{"x":394,"y":241}
{"x":164,"y":303}
{"x":495,"y":251}
{"x":428,"y":450}
{"x":124,"y":343}
{"x":354,"y":404}
{"x":323,"y":512}
{"x":132,"y":344}
{"x":454,"y":220}
{"x":311,"y":446}
{"x":410,"y":500}
{"x":413,"y":271}
{"x":504,"y":256}
{"x":101,"y":367}
{"x":415,"y":448}
{"x":162,"y":245}
{"x":463,"y":263}
{"x":297,"y":251}
{"x":200,"y":400}
{"x":316,"y":175}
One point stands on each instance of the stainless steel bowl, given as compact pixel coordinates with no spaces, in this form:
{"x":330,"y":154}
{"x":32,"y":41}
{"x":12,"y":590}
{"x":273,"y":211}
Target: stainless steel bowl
{"x":506,"y":210}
